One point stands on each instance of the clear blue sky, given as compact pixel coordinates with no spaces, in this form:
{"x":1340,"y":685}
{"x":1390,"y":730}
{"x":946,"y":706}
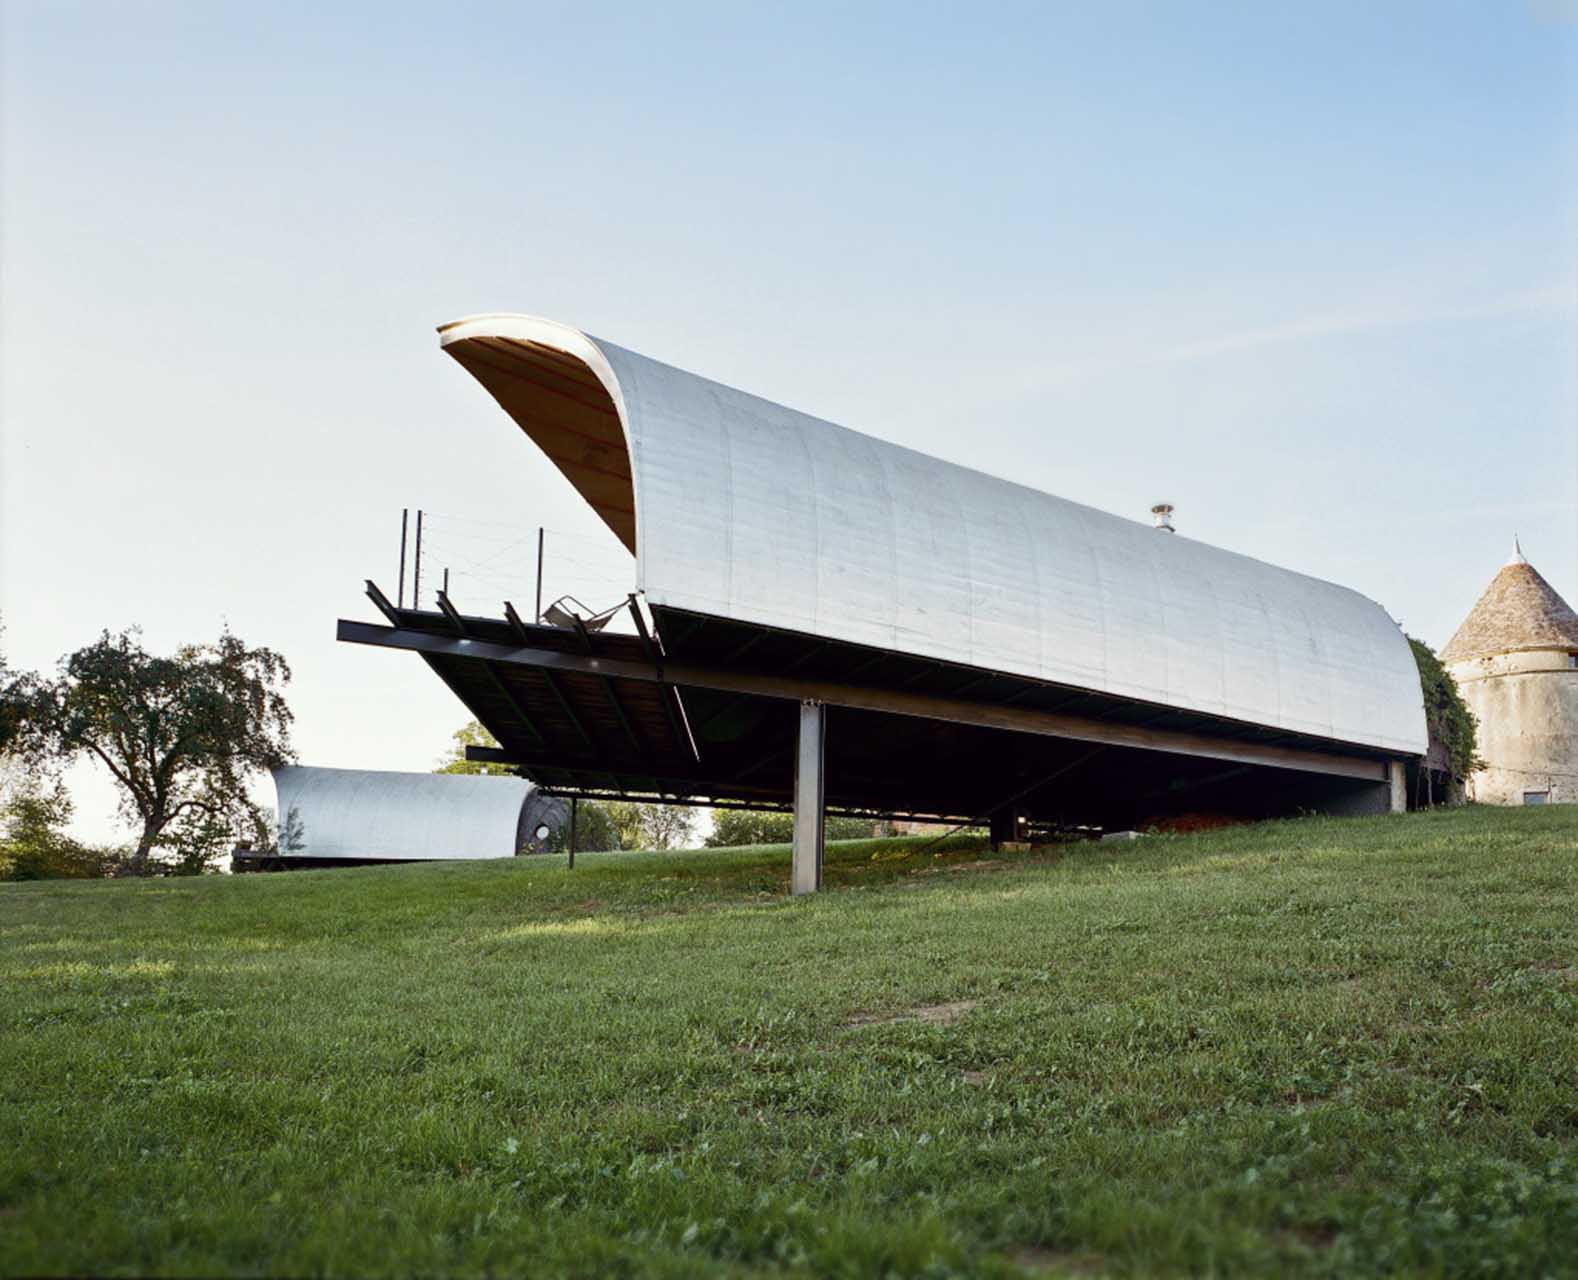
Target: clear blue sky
{"x":1306,"y":271}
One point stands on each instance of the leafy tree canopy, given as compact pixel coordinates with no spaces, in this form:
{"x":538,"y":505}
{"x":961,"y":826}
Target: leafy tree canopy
{"x":182,"y":735}
{"x":595,"y":830}
{"x":454,"y":760}
{"x":626,"y":824}
{"x":18,"y":692}
{"x":651,"y":826}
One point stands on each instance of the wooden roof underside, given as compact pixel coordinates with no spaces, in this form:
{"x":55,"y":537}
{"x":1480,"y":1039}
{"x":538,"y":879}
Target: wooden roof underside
{"x":568,"y":414}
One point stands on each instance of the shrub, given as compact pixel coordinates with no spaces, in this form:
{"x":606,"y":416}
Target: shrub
{"x":34,"y":847}
{"x":734,"y":827}
{"x":1447,"y":717}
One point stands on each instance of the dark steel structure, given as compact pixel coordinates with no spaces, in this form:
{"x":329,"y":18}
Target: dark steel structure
{"x":706,"y":711}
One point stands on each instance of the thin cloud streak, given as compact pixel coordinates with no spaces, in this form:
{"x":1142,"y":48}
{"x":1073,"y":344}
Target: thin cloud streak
{"x":1549,"y":300}
{"x":1555,"y":298}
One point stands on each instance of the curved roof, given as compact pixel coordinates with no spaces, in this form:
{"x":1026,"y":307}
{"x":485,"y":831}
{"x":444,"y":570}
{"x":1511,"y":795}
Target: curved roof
{"x":740,"y":508}
{"x":1519,"y":611}
{"x":365,"y":813}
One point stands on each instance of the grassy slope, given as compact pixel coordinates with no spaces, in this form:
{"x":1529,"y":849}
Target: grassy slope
{"x":1322,"y":1046}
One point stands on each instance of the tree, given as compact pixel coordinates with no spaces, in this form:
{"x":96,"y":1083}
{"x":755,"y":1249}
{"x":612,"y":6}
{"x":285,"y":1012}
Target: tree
{"x":198,"y":838}
{"x":651,"y":826}
{"x":182,"y":735}
{"x":624,"y":824}
{"x":13,"y":709}
{"x":18,"y":694}
{"x":595,"y":831}
{"x":472,"y":734}
{"x":33,"y":843}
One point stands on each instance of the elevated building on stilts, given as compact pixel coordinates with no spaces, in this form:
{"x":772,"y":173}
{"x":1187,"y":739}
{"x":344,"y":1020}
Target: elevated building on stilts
{"x":825,"y":621}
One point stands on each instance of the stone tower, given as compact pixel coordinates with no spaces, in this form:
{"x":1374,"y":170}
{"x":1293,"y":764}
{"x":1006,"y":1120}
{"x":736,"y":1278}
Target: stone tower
{"x":1515,"y":659}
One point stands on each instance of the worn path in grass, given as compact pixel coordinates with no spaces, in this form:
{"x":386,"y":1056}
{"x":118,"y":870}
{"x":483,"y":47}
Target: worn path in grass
{"x":1317,"y":1047}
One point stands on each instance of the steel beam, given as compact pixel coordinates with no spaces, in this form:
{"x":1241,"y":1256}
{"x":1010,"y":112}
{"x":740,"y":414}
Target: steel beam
{"x":382,"y":601}
{"x":678,"y":723}
{"x":453,"y":614}
{"x":988,"y":715}
{"x":514,"y":704}
{"x":746,"y":806}
{"x":810,"y":796}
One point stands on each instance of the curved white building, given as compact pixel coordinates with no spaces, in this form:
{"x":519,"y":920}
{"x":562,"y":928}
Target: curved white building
{"x":829,"y":620}
{"x":739,"y":508}
{"x":366,"y":815}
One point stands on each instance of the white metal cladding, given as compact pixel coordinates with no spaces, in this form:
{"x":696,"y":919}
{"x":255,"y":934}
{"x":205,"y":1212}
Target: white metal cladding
{"x":752,"y":511}
{"x":362,"y":813}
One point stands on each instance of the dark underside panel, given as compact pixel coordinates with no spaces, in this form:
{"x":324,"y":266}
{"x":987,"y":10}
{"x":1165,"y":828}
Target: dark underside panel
{"x":894,"y":763}
{"x":705,"y":710}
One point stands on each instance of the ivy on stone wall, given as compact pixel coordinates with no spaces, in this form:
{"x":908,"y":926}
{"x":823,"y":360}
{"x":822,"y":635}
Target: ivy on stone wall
{"x":1447,"y":717}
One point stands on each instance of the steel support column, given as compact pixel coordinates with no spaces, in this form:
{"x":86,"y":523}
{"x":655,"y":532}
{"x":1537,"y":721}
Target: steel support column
{"x":1008,"y":826}
{"x":809,"y":795}
{"x":1397,"y":786}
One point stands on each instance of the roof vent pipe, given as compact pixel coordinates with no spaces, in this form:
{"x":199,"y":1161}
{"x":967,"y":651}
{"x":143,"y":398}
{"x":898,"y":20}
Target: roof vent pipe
{"x":1162,"y":516}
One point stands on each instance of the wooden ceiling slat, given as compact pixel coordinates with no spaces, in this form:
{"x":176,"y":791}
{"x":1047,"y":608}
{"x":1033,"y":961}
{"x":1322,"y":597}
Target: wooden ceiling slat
{"x":514,"y":386}
{"x":571,"y":364}
{"x":523,"y":362}
{"x":566,"y":446}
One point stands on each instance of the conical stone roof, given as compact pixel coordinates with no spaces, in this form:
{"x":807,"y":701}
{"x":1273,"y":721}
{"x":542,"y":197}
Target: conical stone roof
{"x":1519,"y":611}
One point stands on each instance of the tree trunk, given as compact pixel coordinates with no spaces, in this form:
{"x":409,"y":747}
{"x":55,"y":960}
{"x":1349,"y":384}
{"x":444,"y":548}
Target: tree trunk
{"x":137,"y":864}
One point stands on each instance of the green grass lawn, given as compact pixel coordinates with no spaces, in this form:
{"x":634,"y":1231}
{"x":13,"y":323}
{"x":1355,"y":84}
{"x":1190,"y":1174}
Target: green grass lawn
{"x":1318,"y":1047}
